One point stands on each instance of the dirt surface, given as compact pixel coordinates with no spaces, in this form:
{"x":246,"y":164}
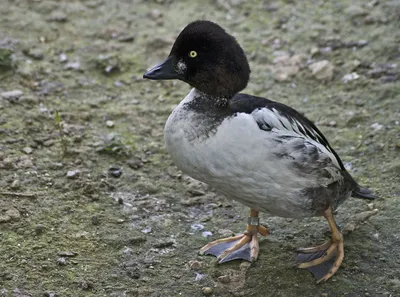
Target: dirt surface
{"x":91,"y":204}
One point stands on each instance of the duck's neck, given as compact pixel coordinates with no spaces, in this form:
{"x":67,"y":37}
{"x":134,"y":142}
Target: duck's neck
{"x":212,"y":100}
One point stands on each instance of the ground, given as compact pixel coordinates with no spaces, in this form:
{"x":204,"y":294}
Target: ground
{"x":90,"y":202}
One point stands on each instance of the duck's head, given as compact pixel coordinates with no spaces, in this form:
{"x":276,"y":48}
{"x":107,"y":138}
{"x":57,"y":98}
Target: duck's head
{"x":207,"y":58}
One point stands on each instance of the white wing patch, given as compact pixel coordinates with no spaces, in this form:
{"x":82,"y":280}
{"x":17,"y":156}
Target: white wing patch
{"x":272,"y":119}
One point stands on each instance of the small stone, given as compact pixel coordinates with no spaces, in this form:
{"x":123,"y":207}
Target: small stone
{"x":286,"y":67}
{"x":12,"y":95}
{"x":135,"y":163}
{"x":224,"y":279}
{"x":155,"y":14}
{"x":126,"y":38}
{"x":195,"y":192}
{"x":25,"y":162}
{"x":72,"y":174}
{"x":120,"y":200}
{"x":56,"y":165}
{"x":13,"y":213}
{"x":146,"y":230}
{"x":206,"y":234}
{"x":67,"y":254}
{"x":115,"y":171}
{"x":332,"y":123}
{"x":27,"y":150}
{"x":15,"y":184}
{"x":369,"y":20}
{"x":371,"y":206}
{"x":195,"y":265}
{"x":73,"y":66}
{"x":376,"y":126}
{"x":225,"y":232}
{"x":95,"y":220}
{"x":349,"y":77}
{"x":190,"y":201}
{"x":163,"y":244}
{"x":61,"y":261}
{"x":110,"y":124}
{"x":314,"y":51}
{"x":322,"y":70}
{"x":57,"y":16}
{"x":352,"y":65}
{"x":197,"y":227}
{"x":39,"y":229}
{"x":207,"y":291}
{"x":34,"y":53}
{"x":48,"y":143}
{"x":63,"y":58}
{"x":4,"y":219}
{"x":355,"y":11}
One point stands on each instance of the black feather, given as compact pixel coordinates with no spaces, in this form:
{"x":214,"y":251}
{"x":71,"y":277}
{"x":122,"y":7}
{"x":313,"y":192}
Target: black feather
{"x":363,"y":193}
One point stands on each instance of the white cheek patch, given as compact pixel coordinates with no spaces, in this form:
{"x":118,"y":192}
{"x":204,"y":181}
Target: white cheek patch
{"x":181,"y":67}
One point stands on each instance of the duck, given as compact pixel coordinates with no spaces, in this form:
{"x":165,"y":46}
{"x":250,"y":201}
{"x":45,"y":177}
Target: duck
{"x":258,"y":152}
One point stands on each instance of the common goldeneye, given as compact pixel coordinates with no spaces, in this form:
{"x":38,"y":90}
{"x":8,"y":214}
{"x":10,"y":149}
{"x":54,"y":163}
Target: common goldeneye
{"x":258,"y":152}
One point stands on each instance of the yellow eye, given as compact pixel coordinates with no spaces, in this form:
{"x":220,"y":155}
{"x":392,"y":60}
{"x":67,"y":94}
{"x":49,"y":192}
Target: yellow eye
{"x":193,"y":54}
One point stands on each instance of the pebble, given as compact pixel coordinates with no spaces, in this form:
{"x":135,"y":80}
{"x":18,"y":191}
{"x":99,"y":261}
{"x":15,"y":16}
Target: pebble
{"x":355,"y":11}
{"x":115,"y":171}
{"x":225,"y":232}
{"x":197,"y":227}
{"x":11,"y":95}
{"x":349,"y":77}
{"x":61,"y":261}
{"x":15,"y":184}
{"x":286,"y":67}
{"x":72,"y":174}
{"x":34,"y":53}
{"x":163,"y":244}
{"x":126,"y":38}
{"x":73,"y":66}
{"x":135,"y":163}
{"x":195,"y":265}
{"x":110,"y":124}
{"x":95,"y":220}
{"x":27,"y":150}
{"x":224,"y":279}
{"x":207,"y":291}
{"x":57,"y":16}
{"x":4,"y":219}
{"x":322,"y":70}
{"x":63,"y":58}
{"x":146,"y":230}
{"x":13,"y":213}
{"x":206,"y":234}
{"x":39,"y":229}
{"x":67,"y":254}
{"x":376,"y":126}
{"x":196,"y":193}
{"x":25,"y":162}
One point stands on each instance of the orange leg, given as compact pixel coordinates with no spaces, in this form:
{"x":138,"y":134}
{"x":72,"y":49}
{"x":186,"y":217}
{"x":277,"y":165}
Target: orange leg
{"x":244,"y":246}
{"x":319,"y":259}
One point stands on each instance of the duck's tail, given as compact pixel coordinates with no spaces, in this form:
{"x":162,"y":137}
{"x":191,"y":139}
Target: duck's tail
{"x":363,"y":193}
